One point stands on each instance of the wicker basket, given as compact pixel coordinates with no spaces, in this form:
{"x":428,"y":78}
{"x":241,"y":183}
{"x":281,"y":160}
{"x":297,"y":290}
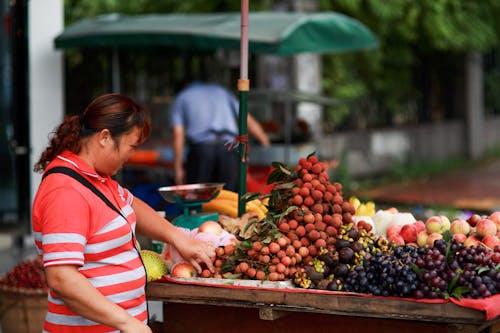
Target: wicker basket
{"x":22,"y":310}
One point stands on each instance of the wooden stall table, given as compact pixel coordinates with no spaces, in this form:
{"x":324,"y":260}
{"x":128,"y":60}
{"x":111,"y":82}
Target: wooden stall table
{"x":199,"y":308}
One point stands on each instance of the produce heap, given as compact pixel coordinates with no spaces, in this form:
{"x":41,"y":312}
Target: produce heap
{"x":314,"y":237}
{"x":27,"y":274}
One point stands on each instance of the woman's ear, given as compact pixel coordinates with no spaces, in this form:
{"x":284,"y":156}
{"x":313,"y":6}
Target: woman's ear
{"x":104,"y":136}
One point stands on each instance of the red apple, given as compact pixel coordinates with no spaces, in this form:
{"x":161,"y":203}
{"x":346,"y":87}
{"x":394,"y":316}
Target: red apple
{"x":490,"y":241}
{"x":396,"y":240}
{"x":183,"y":270}
{"x":393,"y":230}
{"x":419,"y":225}
{"x":473,"y":219}
{"x":486,"y":227}
{"x":471,"y":241}
{"x":460,"y":237}
{"x":409,"y":233}
{"x":211,"y":227}
{"x":495,"y":217}
{"x":460,"y":226}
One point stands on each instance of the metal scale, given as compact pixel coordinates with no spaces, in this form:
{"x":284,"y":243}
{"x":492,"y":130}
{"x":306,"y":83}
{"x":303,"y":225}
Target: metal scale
{"x":191,"y":197}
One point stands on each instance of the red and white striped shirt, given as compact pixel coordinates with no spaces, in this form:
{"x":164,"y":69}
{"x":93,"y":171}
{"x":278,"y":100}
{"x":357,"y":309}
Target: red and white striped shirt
{"x":72,"y":226}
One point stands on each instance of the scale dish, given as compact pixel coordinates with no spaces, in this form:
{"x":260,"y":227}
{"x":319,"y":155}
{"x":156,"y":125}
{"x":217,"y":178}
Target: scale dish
{"x":190,"y":193}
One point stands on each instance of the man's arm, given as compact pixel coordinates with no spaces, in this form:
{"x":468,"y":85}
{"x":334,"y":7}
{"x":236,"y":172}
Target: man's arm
{"x":256,"y":130}
{"x":178,"y":145}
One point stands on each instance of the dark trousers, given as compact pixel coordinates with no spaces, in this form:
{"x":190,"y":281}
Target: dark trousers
{"x":212,"y":162}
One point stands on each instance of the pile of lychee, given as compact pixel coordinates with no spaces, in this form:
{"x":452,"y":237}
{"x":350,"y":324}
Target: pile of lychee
{"x":306,"y":212}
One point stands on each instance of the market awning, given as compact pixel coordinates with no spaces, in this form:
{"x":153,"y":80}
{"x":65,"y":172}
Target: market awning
{"x":279,"y":33}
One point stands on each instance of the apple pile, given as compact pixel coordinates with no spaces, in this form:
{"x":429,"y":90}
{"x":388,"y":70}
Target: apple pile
{"x":476,"y":230}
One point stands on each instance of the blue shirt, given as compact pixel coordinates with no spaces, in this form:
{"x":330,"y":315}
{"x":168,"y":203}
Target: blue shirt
{"x":207,"y":112}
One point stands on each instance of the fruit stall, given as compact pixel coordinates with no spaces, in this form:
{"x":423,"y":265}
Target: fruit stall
{"x":306,"y":257}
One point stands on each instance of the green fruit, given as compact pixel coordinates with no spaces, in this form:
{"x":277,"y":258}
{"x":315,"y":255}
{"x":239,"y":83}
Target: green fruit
{"x":154,"y":264}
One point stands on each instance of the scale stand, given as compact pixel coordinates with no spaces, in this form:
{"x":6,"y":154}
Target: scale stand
{"x":191,"y":197}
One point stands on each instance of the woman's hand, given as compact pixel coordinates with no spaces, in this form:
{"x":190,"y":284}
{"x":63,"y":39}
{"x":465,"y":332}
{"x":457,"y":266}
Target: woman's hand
{"x":195,"y":252}
{"x":136,"y":326}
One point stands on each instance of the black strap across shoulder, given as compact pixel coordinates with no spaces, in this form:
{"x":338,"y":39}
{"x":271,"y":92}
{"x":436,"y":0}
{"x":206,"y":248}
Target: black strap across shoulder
{"x":75,"y":175}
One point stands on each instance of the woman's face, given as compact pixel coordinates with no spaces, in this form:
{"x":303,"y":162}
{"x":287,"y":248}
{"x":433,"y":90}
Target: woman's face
{"x":115,"y":155}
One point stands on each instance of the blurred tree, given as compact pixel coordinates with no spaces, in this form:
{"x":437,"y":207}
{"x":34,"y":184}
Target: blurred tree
{"x":416,"y":72}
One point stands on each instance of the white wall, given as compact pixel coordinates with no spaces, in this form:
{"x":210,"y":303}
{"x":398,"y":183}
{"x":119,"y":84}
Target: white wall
{"x":45,"y":22}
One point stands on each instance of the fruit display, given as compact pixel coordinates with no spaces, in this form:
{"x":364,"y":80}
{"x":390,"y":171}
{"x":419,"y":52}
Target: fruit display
{"x":27,"y":274}
{"x":309,"y":234}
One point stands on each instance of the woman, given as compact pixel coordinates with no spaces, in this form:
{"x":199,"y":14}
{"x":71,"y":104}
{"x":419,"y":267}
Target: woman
{"x":92,"y":264}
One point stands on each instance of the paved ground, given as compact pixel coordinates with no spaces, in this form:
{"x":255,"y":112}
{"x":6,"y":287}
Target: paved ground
{"x":474,"y":188}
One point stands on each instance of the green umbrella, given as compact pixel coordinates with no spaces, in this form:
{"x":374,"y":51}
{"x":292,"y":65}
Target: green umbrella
{"x":279,"y":33}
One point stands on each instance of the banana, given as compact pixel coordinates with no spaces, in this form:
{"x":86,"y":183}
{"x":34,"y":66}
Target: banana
{"x":256,"y":207}
{"x":222,"y":206}
{"x":227,"y":195}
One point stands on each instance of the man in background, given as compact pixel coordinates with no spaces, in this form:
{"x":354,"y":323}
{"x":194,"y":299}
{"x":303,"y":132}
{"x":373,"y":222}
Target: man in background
{"x":205,"y":119}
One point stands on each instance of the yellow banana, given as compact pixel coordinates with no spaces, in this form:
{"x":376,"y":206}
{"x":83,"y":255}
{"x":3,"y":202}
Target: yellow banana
{"x":227,"y":195}
{"x":222,"y":206}
{"x":256,"y":207}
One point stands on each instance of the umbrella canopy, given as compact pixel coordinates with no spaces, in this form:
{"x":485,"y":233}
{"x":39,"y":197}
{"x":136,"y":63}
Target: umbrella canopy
{"x":279,"y":33}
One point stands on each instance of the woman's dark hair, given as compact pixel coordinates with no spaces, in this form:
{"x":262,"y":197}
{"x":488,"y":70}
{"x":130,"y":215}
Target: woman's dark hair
{"x":115,"y":112}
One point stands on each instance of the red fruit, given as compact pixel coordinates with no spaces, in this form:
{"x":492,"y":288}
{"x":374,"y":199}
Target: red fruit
{"x":317,"y":208}
{"x":300,"y":231}
{"x":309,"y":218}
{"x":284,"y":227}
{"x":313,"y":159}
{"x":257,"y":246}
{"x":308,"y":201}
{"x":282,"y":242}
{"x":317,"y":168}
{"x":251,"y":272}
{"x":331,"y":231}
{"x":297,"y":200}
{"x":304,"y":191}
{"x":409,"y":233}
{"x":260,"y":275}
{"x":320,"y":243}
{"x":307,"y":177}
{"x":303,"y":251}
{"x":309,"y":227}
{"x":274,"y":247}
{"x":313,"y":235}
{"x":317,"y":195}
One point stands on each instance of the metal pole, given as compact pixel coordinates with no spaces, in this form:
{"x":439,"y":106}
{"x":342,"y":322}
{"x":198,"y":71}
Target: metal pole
{"x":243,"y":88}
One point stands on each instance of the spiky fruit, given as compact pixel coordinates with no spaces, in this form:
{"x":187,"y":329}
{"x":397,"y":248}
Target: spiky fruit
{"x":154,"y":264}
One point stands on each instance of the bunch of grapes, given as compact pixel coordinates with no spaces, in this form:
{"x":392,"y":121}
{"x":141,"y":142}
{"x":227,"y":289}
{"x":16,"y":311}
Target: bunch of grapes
{"x":27,"y":274}
{"x":452,"y":269}
{"x":480,"y":271}
{"x":385,"y":273}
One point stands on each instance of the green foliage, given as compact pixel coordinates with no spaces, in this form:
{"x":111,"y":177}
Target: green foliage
{"x":78,"y":9}
{"x":417,"y":38}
